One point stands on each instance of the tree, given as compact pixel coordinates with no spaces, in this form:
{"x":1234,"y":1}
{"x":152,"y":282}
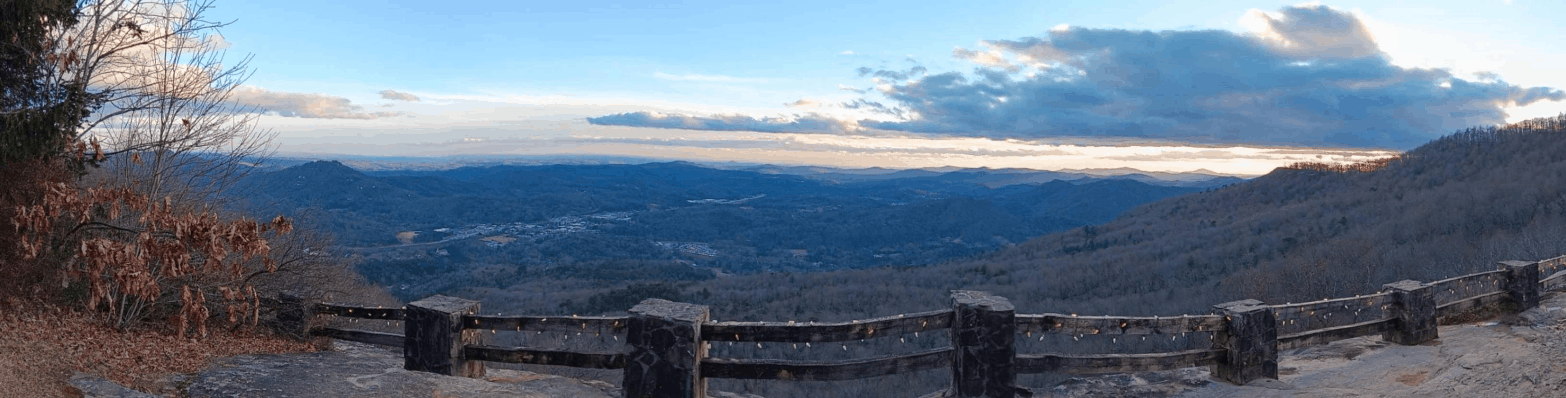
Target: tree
{"x":39,"y":107}
{"x":136,"y":87}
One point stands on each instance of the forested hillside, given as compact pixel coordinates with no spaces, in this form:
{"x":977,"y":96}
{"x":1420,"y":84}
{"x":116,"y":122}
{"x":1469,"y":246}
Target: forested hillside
{"x":1458,"y":204}
{"x":422,"y":232}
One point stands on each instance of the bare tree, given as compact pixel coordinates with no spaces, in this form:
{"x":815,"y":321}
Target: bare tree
{"x":158,"y":67}
{"x":144,"y":234}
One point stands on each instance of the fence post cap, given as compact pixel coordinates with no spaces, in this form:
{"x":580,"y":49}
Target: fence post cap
{"x":981,"y":299}
{"x":1241,"y":305}
{"x":671,"y":310}
{"x":444,"y":303}
{"x":1405,"y":284}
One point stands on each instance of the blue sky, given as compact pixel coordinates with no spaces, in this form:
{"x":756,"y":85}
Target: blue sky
{"x":524,"y":77}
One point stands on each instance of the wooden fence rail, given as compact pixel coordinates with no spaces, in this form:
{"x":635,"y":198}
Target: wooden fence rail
{"x":772,"y":369}
{"x":572,"y":324}
{"x":1553,"y":282}
{"x":826,"y":332}
{"x":362,"y":336}
{"x":1466,"y":286}
{"x":545,"y":357}
{"x":1115,"y":363}
{"x":666,"y":343}
{"x":1091,"y":325}
{"x":1327,"y":335}
{"x":1297,"y":318}
{"x":349,"y":311}
{"x":1463,"y":305}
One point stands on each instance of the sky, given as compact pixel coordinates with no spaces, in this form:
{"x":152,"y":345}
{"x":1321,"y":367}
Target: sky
{"x":1236,"y":87}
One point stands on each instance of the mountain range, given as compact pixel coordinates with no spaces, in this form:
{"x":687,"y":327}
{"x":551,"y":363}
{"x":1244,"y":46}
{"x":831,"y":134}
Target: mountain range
{"x":410,"y":226}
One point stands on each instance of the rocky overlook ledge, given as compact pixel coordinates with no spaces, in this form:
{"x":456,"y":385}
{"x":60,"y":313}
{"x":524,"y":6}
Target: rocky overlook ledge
{"x":1514,"y":355}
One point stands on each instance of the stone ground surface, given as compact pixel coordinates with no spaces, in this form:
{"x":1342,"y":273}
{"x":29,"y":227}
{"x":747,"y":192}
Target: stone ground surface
{"x":360,"y":370}
{"x":1515,"y":356}
{"x":99,"y":387}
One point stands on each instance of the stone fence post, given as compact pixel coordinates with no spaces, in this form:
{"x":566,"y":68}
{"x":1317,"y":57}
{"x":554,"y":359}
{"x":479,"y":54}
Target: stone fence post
{"x":666,"y":350}
{"x":1251,"y":341}
{"x":984,"y":329}
{"x":1414,"y":307}
{"x":434,"y":337}
{"x":1522,"y":283}
{"x":293,"y":317}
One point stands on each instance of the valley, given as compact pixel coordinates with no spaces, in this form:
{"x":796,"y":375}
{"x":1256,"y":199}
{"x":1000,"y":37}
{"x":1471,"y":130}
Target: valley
{"x":423,"y":231}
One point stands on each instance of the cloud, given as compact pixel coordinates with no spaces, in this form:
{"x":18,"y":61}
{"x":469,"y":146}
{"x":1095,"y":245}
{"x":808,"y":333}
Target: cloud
{"x":847,"y":88}
{"x":809,"y":123}
{"x":804,"y":103}
{"x":846,"y":52}
{"x":217,"y":42}
{"x":1313,"y":32}
{"x":303,"y":105}
{"x":395,"y":95}
{"x":1311,"y":75}
{"x":892,"y":74}
{"x":1305,"y":75}
{"x":708,"y":78}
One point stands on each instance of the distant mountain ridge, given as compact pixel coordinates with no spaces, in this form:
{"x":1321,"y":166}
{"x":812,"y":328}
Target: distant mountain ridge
{"x":995,"y":178}
{"x":1454,"y":206}
{"x":370,"y":164}
{"x":409,"y":224}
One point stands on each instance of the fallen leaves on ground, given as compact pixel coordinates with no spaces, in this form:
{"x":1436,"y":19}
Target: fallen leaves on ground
{"x":41,"y":345}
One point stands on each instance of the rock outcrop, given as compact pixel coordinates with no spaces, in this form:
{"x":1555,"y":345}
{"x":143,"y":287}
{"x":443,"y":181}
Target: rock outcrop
{"x":94,"y":386}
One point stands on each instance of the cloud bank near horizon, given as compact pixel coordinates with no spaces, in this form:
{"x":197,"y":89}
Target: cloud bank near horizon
{"x":578,"y":139}
{"x":303,"y":105}
{"x":809,"y":123}
{"x":1309,"y":75}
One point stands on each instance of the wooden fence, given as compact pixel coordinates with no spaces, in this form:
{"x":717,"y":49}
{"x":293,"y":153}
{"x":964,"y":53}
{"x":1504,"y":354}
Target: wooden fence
{"x":666,"y":343}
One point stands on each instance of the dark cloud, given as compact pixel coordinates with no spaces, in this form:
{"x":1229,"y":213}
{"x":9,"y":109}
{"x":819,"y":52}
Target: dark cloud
{"x":809,"y":123}
{"x":872,"y":106}
{"x":1314,"y":77}
{"x":1319,"y":31}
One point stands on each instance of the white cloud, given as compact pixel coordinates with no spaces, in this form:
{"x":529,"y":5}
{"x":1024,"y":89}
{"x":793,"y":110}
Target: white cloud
{"x":846,"y":52}
{"x":395,"y":95}
{"x":991,"y":57}
{"x":303,"y":105}
{"x":884,"y":149}
{"x":804,"y":103}
{"x":217,"y":42}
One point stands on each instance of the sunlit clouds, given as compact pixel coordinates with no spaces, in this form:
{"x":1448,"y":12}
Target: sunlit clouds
{"x":1257,"y":89}
{"x":304,"y":105}
{"x":551,"y":131}
{"x":1304,"y":75}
